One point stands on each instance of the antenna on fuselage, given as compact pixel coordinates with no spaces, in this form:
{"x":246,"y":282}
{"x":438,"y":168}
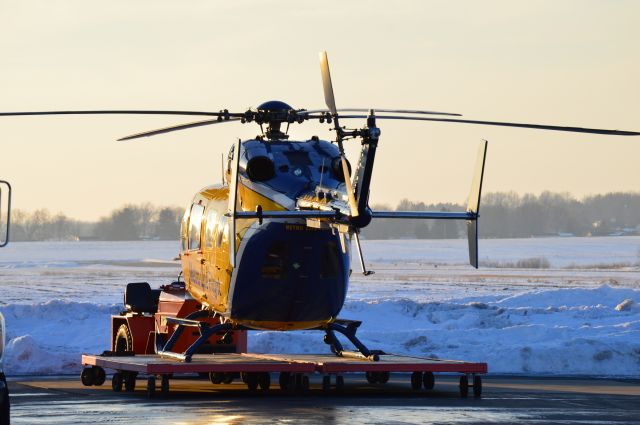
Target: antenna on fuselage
{"x":233,"y":200}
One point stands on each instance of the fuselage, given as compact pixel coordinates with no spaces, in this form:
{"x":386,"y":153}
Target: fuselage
{"x":290,"y":274}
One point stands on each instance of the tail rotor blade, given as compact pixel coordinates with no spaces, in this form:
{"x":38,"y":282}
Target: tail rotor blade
{"x":353,"y":204}
{"x":326,"y":83}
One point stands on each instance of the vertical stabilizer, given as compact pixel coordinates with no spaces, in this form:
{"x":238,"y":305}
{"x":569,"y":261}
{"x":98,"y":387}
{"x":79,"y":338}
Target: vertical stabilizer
{"x":473,"y":204}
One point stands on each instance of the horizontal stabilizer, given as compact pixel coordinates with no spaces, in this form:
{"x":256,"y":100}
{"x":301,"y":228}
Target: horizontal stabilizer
{"x":434,"y":215}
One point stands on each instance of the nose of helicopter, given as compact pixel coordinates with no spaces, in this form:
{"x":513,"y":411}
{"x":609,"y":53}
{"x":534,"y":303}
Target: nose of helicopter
{"x":290,"y":274}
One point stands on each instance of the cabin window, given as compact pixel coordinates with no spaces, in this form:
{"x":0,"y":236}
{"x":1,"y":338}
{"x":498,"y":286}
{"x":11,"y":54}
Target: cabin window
{"x":275,"y":263}
{"x":329,"y":261}
{"x":195,"y":222}
{"x":184,"y":230}
{"x":210,"y":231}
{"x":221,"y":229}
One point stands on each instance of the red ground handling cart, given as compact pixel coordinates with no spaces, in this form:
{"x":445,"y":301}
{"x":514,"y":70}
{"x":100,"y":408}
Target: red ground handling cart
{"x":159,"y":337}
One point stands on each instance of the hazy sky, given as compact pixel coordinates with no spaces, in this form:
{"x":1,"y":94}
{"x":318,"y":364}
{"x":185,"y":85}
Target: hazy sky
{"x":555,"y":62}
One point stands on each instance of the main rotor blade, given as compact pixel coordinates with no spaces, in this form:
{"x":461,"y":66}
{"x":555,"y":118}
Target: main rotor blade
{"x":326,"y":83}
{"x":394,"y":111}
{"x":505,"y":124}
{"x":176,"y":128}
{"x":118,"y":111}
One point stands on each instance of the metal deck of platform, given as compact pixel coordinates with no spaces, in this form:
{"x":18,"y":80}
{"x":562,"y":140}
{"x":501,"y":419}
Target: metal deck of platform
{"x":293,"y":363}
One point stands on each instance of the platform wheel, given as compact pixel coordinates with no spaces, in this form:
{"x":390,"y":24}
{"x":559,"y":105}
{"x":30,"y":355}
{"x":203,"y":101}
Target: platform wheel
{"x":87,"y":377}
{"x":283,"y":380}
{"x":164,"y":384}
{"x":464,"y":386}
{"x":151,"y":386}
{"x":99,"y":375}
{"x":383,"y":377}
{"x":372,"y":377}
{"x":477,"y":386}
{"x":416,"y":381}
{"x":428,"y":380}
{"x":326,"y":383}
{"x":251,"y":379}
{"x":339,"y":383}
{"x":228,"y":378}
{"x":303,"y":388}
{"x":130,"y":381}
{"x":116,"y":382}
{"x":216,"y":377}
{"x":264,"y":381}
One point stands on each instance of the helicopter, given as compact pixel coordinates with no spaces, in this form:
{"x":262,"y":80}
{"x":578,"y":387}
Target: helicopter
{"x":270,"y":247}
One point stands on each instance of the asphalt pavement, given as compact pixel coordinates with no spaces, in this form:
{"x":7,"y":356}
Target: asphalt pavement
{"x":505,"y":399}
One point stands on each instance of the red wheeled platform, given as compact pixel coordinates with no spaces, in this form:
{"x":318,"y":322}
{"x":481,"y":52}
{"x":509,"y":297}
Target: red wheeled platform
{"x":293,"y":370}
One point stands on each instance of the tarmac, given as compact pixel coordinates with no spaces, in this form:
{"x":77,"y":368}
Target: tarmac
{"x":505,"y":399}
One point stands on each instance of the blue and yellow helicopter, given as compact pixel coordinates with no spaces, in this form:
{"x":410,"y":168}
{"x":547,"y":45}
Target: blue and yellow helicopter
{"x":270,"y":249}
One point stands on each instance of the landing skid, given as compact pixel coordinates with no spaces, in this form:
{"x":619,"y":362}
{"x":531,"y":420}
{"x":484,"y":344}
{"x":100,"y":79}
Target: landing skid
{"x":348,"y":328}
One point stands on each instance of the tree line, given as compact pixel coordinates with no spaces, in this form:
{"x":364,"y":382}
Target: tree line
{"x":130,"y":222}
{"x":509,"y":215}
{"x":502,"y":215}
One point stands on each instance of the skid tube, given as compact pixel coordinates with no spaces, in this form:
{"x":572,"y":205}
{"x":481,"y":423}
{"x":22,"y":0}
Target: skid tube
{"x":348,"y":328}
{"x":205,"y":330}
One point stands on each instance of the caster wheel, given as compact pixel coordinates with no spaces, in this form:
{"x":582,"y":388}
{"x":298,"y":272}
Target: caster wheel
{"x":464,"y":386}
{"x":87,"y":377}
{"x":98,"y":375}
{"x":477,"y":386}
{"x":251,"y":381}
{"x":116,"y":382}
{"x":339,"y":383}
{"x":151,"y":386}
{"x":164,"y":385}
{"x":383,"y":377}
{"x":304,"y":384}
{"x":416,"y":381}
{"x":264,"y":381}
{"x":372,"y":377}
{"x":216,"y":378}
{"x":228,"y":378}
{"x":130,"y":381}
{"x":326,"y":383}
{"x":283,"y":380}
{"x":428,"y":380}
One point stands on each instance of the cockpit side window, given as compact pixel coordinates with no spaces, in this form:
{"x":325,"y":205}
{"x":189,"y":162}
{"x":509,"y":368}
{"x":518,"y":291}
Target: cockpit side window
{"x":195,"y":223}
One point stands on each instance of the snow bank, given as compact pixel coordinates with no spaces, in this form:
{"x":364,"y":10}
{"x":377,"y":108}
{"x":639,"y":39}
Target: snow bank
{"x":563,"y":331}
{"x":48,"y":338}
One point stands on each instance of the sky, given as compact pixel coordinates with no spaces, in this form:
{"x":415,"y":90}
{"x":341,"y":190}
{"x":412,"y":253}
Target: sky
{"x":566,"y":63}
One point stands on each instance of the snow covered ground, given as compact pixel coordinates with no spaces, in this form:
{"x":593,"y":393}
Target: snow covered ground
{"x":581,"y":315}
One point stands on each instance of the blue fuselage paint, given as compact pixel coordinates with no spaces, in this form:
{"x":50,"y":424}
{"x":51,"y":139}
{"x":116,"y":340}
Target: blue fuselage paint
{"x":290,"y":273}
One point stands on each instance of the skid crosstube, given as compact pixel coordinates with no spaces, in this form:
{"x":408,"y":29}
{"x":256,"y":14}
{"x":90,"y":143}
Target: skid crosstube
{"x":298,"y":363}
